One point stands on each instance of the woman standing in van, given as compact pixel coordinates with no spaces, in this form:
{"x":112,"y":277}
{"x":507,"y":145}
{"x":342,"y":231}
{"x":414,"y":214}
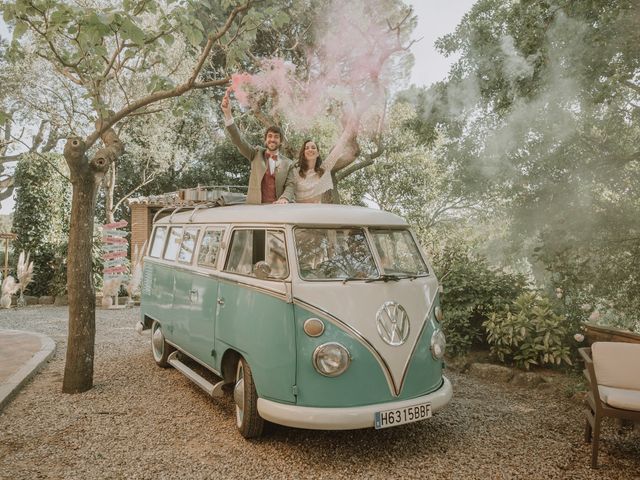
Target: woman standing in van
{"x":313,"y":175}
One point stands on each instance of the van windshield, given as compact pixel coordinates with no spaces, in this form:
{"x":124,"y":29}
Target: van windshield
{"x":398,"y":252}
{"x":334,"y":254}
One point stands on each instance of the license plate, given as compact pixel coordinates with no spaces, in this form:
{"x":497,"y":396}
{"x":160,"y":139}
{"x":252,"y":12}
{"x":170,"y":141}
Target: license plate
{"x":400,"y":416}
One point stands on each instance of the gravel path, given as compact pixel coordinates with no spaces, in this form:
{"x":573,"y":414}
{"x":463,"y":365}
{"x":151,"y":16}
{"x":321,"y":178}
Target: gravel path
{"x":140,"y":421}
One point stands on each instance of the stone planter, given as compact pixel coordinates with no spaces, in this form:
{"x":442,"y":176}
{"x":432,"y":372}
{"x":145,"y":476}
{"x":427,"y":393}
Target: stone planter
{"x":600,"y":333}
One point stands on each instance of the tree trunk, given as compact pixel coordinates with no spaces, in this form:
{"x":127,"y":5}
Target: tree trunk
{"x":86,"y":176}
{"x":78,"y":372}
{"x":335,"y":193}
{"x":109,"y":191}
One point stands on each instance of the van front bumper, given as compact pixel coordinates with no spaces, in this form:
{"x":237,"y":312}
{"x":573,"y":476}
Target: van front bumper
{"x":349,"y":418}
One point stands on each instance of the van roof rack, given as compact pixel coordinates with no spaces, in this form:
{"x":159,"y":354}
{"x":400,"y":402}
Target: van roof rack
{"x":195,"y":198}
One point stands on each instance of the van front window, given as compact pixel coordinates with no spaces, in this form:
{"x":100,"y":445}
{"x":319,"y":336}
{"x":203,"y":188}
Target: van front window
{"x":398,"y":252}
{"x":334,"y":254}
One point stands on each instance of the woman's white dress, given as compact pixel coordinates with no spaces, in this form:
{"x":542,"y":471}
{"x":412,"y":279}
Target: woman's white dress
{"x":309,"y":189}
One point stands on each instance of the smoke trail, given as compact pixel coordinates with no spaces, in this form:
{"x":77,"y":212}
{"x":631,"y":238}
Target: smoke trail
{"x":350,"y":68}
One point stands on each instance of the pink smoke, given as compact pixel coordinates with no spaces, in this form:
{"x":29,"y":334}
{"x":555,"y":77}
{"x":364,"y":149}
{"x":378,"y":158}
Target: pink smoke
{"x":350,"y":70}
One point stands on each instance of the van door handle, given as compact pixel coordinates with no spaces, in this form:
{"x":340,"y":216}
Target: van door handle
{"x":193,"y":295}
{"x":220,"y":301}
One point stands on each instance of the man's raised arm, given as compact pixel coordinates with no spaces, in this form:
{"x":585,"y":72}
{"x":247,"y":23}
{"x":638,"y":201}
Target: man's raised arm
{"x":238,"y":140}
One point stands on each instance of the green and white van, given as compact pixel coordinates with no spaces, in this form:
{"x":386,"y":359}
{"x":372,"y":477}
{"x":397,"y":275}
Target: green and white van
{"x":316,"y":316}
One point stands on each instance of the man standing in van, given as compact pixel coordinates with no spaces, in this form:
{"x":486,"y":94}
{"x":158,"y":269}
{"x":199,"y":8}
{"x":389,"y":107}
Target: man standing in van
{"x":272,"y":176}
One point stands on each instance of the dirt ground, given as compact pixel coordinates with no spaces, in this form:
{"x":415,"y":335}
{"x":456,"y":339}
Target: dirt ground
{"x":140,"y":421}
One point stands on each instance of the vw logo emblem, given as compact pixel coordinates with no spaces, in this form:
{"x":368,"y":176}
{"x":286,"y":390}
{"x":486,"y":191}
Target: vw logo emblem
{"x":393,"y":323}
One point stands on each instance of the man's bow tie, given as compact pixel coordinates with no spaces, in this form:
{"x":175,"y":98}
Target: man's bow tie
{"x":272,"y":156}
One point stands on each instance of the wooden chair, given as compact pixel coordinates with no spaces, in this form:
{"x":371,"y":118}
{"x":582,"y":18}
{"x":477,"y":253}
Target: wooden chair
{"x":612,"y":372}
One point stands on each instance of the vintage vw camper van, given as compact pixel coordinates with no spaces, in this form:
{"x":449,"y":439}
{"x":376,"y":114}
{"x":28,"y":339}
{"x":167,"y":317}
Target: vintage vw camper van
{"x":315,"y":316}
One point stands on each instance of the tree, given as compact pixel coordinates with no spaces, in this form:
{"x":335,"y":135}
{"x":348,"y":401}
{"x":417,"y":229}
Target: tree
{"x":408,"y":180}
{"x":105,"y":51}
{"x":17,"y":96}
{"x":541,"y":110}
{"x":169,"y":139}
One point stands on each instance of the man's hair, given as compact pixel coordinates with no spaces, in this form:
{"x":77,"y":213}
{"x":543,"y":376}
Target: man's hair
{"x":273,"y":129}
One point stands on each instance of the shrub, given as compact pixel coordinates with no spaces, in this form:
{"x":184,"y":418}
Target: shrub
{"x":41,"y":217}
{"x":529,"y":333}
{"x":461,"y":331}
{"x":58,"y":284}
{"x":472,"y":290}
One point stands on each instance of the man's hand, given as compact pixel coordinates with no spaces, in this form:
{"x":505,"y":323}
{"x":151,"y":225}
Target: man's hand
{"x":281,"y":201}
{"x":226,"y":104}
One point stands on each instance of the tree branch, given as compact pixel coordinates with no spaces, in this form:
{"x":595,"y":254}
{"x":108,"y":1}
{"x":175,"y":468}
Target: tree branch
{"x":179,"y":89}
{"x":369,"y":159}
{"x":145,"y":182}
{"x":37,"y":138}
{"x":43,"y":157}
{"x":214,"y":38}
{"x":632,"y":86}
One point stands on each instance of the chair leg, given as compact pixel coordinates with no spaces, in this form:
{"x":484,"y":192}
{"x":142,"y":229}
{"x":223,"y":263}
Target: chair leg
{"x":595,"y":442}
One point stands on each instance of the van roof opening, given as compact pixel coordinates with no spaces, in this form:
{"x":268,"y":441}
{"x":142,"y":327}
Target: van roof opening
{"x":296,"y":214}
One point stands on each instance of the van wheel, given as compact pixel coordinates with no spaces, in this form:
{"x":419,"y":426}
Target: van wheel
{"x":159,"y":346}
{"x":249,"y":422}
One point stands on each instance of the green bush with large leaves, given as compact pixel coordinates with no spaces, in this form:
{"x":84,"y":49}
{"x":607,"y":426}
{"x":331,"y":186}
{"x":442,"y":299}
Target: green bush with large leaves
{"x":529,"y":333}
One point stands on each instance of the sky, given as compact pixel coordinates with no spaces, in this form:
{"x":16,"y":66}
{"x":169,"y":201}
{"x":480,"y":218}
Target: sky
{"x":435,"y":18}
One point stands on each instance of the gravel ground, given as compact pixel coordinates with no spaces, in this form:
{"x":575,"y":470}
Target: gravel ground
{"x":140,"y":421}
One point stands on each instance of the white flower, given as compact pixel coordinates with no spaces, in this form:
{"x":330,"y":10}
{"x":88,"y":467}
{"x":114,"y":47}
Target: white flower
{"x":595,"y":315}
{"x":586,"y":307}
{"x":559,"y":292}
{"x":579,"y":337}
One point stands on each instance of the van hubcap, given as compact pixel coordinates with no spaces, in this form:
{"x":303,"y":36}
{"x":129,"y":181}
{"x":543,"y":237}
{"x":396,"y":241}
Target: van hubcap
{"x":238,"y":394}
{"x":157,"y":342}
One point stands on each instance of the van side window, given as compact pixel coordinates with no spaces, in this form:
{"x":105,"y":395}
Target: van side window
{"x":158,"y":242}
{"x":209,"y":248}
{"x":249,"y":247}
{"x":171,"y":250}
{"x":189,"y":238}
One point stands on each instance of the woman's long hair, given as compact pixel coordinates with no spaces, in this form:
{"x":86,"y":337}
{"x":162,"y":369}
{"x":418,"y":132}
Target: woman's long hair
{"x":302,"y":161}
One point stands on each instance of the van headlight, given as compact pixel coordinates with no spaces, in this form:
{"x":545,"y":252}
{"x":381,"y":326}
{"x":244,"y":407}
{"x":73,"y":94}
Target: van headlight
{"x":438,"y":344}
{"x":331,"y":359}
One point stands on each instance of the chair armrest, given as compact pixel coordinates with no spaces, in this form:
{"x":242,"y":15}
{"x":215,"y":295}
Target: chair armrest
{"x":590,"y":374}
{"x":585,"y":353}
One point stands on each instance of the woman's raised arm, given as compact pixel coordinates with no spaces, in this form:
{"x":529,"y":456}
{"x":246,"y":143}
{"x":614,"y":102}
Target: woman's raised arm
{"x":345,"y":150}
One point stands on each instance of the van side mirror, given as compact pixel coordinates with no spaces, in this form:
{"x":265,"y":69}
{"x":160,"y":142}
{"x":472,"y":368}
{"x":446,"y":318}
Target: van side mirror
{"x":261,"y":270}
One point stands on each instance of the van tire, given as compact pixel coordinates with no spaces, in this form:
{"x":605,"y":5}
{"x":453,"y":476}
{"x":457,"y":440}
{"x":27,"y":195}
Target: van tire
{"x":160,"y":349}
{"x":248,"y":420}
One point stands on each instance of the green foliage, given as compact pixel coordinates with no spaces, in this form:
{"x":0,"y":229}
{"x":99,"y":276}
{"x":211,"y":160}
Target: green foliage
{"x":541,"y":111}
{"x":223,"y":165}
{"x":529,"y":333}
{"x":58,"y":265}
{"x":472,"y":292}
{"x":41,"y":218}
{"x":461,"y":328}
